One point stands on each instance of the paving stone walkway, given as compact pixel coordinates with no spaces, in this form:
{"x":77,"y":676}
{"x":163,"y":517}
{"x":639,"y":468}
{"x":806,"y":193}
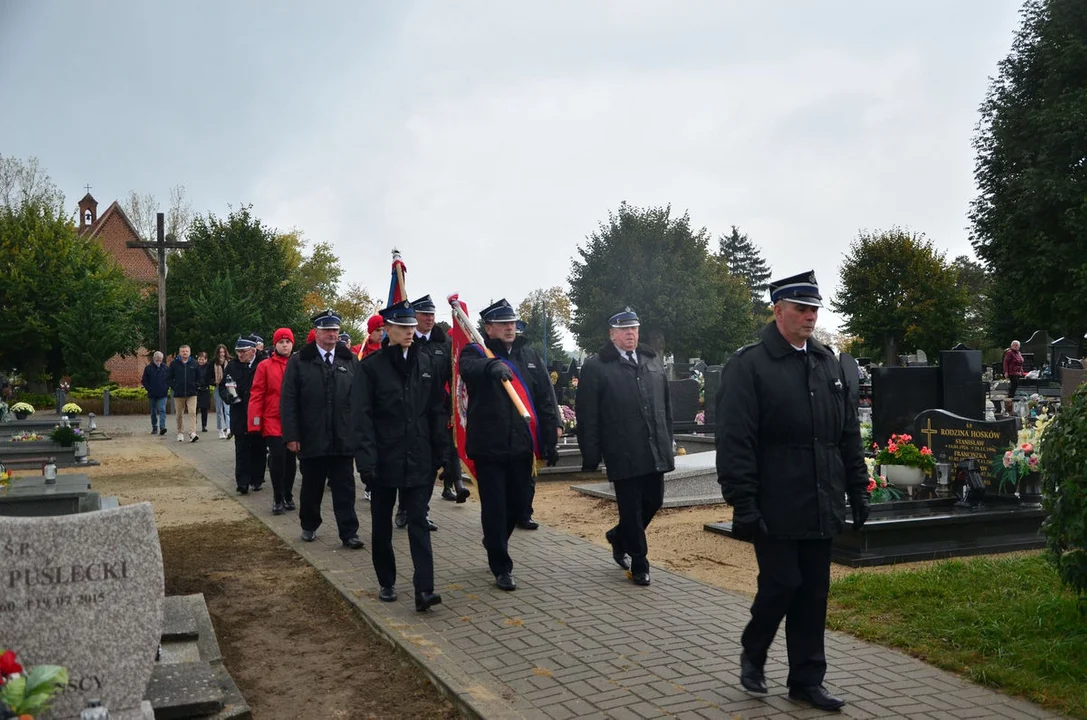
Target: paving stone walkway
{"x":578,"y":640}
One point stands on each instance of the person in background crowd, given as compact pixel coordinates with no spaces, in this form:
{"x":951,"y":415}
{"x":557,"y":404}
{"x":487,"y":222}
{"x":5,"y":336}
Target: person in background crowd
{"x":203,"y":396}
{"x":788,"y":453}
{"x":184,"y":381}
{"x":401,"y":422}
{"x":258,"y":342}
{"x":344,"y":339}
{"x":311,"y":336}
{"x":264,"y":416}
{"x":375,"y":330}
{"x":156,"y":381}
{"x":249,"y":452}
{"x":317,"y":422}
{"x":624,"y":417}
{"x":214,"y":377}
{"x":1013,"y":367}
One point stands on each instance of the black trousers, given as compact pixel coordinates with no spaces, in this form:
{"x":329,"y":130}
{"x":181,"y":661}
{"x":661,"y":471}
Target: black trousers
{"x":414,"y":501}
{"x":249,"y":461}
{"x":504,"y":486}
{"x":203,"y":413}
{"x":282,"y":467}
{"x":639,"y":499}
{"x":339,"y":473}
{"x":1014,"y":380}
{"x":794,"y":578}
{"x":527,"y":514}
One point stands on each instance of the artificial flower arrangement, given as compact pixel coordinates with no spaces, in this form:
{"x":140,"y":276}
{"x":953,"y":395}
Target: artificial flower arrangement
{"x":71,"y":409}
{"x":26,"y":694}
{"x":879,"y":490}
{"x":900,"y":450}
{"x":700,"y":417}
{"x":26,"y":437}
{"x":5,"y":476}
{"x":22,"y":408}
{"x":65,"y":435}
{"x":569,"y":418}
{"x":1024,"y":457}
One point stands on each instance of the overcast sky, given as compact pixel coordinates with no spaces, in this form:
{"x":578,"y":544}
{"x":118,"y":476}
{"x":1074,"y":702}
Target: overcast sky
{"x":486,"y":140}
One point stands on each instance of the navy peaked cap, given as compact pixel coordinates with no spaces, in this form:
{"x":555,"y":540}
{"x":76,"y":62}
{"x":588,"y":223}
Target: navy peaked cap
{"x":801,"y":289}
{"x":624,"y":318}
{"x":326,"y":320}
{"x":424,"y":304}
{"x":402,"y":313}
{"x":500,"y":311}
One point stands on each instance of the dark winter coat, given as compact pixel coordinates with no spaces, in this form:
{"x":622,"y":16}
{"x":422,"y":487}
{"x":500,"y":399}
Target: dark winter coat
{"x":203,"y":393}
{"x":624,"y":414}
{"x":788,"y":439}
{"x":315,"y":406}
{"x":400,"y":417}
{"x":156,"y":380}
{"x":243,"y":375}
{"x":494,"y":428}
{"x":440,"y":348}
{"x":185,"y":377}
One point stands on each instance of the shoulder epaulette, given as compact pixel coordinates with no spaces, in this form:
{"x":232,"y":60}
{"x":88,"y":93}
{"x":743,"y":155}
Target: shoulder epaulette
{"x":745,"y":348}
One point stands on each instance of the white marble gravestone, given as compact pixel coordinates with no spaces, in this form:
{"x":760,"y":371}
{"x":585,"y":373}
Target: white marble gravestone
{"x":85,"y":592}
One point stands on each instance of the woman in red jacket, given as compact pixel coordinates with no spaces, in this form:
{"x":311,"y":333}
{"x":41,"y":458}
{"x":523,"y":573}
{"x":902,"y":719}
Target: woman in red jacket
{"x":264,"y":418}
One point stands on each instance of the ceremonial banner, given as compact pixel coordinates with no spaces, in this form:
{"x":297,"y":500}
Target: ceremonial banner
{"x":397,"y":291}
{"x":460,"y":396}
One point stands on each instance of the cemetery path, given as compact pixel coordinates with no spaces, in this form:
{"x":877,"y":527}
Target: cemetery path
{"x":578,"y":640}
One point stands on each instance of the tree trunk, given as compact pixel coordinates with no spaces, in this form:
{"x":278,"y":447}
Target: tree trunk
{"x":890,"y":354}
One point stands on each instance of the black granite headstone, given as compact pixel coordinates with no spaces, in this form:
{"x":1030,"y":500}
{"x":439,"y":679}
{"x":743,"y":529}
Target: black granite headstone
{"x":1059,"y":350}
{"x":898,"y":395}
{"x":1038,"y":347}
{"x":713,"y":384}
{"x":952,"y":438}
{"x":684,"y":396}
{"x":963,"y":390}
{"x":681,"y":370}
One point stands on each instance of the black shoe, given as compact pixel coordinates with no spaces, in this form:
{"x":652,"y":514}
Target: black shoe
{"x":641,"y":578}
{"x":162,"y":431}
{"x":256,"y":488}
{"x":387,"y":594}
{"x":617,"y":553}
{"x":448,"y":494}
{"x":506,"y":582}
{"x":424,"y":600}
{"x":289,"y":506}
{"x":817,"y":696}
{"x":309,"y":535}
{"x":203,"y":429}
{"x":528,"y":524}
{"x":430,"y":524}
{"x":401,"y":520}
{"x":353,"y":543}
{"x":751,"y":675}
{"x":462,"y":495}
{"x":243,"y":491}
{"x":277,"y":509}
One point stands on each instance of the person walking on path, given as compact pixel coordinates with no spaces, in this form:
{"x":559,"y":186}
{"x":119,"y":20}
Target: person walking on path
{"x":203,"y":393}
{"x":624,"y":417}
{"x":499,"y":440}
{"x":156,"y":381}
{"x":788,"y":453}
{"x":1013,"y":367}
{"x":214,"y":378}
{"x":249,"y":452}
{"x":401,"y":422}
{"x":185,"y":379}
{"x":264,"y":398}
{"x":318,"y":426}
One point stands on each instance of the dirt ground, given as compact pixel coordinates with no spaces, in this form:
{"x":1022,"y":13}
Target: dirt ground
{"x":317,"y":649}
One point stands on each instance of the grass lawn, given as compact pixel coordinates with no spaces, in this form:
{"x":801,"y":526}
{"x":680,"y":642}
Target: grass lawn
{"x":1006,"y":623}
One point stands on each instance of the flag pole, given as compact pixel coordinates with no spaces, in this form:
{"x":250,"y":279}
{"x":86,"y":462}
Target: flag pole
{"x":461,"y":319}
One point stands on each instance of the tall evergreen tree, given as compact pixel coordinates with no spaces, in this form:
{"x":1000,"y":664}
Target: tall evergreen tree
{"x":1030,"y":216}
{"x":744,"y":259}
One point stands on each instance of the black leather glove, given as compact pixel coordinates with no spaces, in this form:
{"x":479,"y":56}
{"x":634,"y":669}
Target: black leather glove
{"x":860,"y":505}
{"x":499,"y":371}
{"x":590,"y":467}
{"x":747,"y":523}
{"x":551,"y":452}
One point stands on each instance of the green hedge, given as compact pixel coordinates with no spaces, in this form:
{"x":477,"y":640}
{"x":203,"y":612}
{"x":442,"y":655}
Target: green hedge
{"x":40,"y":401}
{"x":116,"y":392}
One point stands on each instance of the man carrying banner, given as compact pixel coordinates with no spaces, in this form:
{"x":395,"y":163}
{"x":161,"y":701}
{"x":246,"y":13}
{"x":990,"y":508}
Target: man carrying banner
{"x":499,"y":442}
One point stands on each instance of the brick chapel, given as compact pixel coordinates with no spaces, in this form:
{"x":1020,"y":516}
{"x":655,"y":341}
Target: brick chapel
{"x":113,"y":230}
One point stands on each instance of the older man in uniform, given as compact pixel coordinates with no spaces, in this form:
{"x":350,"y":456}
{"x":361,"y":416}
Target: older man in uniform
{"x":499,"y":441}
{"x":402,"y":425}
{"x":624,"y":416}
{"x":315,"y":408}
{"x":249,"y":451}
{"x":788,"y":452}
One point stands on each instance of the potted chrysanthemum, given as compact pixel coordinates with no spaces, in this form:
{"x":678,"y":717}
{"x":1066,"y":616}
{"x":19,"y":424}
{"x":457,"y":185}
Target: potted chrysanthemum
{"x":22,"y":410}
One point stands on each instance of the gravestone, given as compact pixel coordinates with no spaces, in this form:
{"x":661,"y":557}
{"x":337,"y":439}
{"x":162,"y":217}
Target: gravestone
{"x":963,"y":390}
{"x":1071,"y":379}
{"x":684,"y":396}
{"x":953,"y":437}
{"x":1037,"y":346}
{"x":898,"y":395}
{"x":680,"y":371}
{"x":86,"y":592}
{"x":920,"y":358}
{"x":1059,"y":350}
{"x":713,"y":384}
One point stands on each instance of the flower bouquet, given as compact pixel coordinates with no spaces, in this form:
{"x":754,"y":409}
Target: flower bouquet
{"x":1023,"y":458}
{"x":26,"y":437}
{"x":569,"y":418}
{"x":25,"y":695}
{"x":22,"y":410}
{"x":5,"y":476}
{"x":879,"y":490}
{"x":65,"y":435}
{"x":71,"y":409}
{"x":700,"y":417}
{"x":900,"y":450}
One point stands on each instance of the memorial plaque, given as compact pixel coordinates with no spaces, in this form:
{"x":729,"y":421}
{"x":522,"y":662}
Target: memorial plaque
{"x":85,"y":592}
{"x":952,"y":438}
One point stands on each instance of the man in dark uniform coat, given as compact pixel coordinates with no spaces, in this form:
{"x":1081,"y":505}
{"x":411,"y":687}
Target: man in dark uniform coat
{"x":624,"y":415}
{"x":249,"y":452}
{"x":788,"y":452}
{"x":402,"y":428}
{"x":499,"y":441}
{"x":315,"y":408}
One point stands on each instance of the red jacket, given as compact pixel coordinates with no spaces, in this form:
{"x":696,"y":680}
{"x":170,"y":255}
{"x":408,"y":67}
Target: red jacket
{"x":264,"y":397}
{"x":1013,"y":363}
{"x":370,"y":347}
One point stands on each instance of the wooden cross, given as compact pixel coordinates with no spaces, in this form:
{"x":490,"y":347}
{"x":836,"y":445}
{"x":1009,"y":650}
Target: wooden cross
{"x":160,"y":244}
{"x":928,"y":432}
{"x":88,"y":189}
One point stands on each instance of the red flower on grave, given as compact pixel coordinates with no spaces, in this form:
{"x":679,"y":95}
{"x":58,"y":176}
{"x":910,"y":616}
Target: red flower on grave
{"x":892,"y":448}
{"x":8,"y":665}
{"x":925,"y":450}
{"x":871,"y":484}
{"x":1027,"y":448}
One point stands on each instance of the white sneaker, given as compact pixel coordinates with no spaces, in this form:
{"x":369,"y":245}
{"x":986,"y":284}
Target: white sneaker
{"x":222,"y":435}
{"x":193,"y":437}
{"x":366,"y":495}
{"x":180,"y":437}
